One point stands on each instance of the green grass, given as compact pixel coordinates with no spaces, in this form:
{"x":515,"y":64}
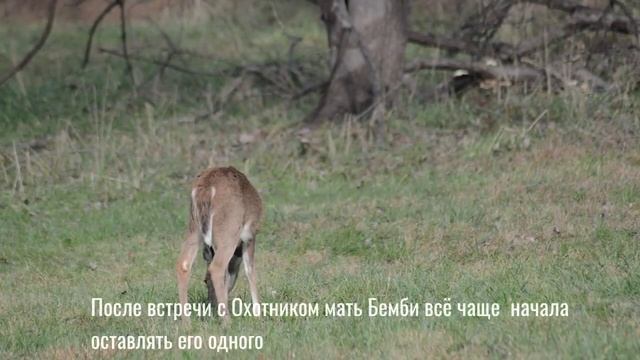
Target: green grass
{"x":465,"y":201}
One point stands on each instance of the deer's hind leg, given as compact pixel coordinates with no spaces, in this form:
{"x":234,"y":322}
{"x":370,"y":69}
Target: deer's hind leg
{"x":234,"y":268}
{"x":226,"y":234}
{"x":232,"y":271}
{"x":207,"y":254}
{"x":184,"y":264}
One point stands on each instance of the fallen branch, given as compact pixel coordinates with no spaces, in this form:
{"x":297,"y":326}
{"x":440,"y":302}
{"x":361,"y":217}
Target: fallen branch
{"x":508,"y":52}
{"x":593,"y":81}
{"x":43,"y":39}
{"x":627,"y":12}
{"x":457,"y":85}
{"x":321,"y":86}
{"x":581,"y":18}
{"x":260,"y":72}
{"x":587,"y":16}
{"x":257,"y":70}
{"x":162,"y":63}
{"x":443,"y":42}
{"x":507,"y":72}
{"x":476,"y":72}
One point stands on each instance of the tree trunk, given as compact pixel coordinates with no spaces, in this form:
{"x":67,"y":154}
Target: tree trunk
{"x":367,"y":40}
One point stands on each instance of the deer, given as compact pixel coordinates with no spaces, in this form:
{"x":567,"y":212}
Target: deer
{"x":225,"y":215}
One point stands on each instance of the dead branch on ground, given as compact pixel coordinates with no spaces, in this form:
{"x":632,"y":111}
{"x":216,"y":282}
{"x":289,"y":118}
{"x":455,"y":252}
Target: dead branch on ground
{"x":508,"y":61}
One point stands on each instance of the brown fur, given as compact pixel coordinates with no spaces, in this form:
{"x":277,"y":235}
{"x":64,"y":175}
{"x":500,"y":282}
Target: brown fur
{"x":227,"y":194}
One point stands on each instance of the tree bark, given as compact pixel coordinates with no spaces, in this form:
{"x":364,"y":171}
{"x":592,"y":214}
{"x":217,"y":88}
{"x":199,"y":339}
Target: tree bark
{"x":367,"y":40}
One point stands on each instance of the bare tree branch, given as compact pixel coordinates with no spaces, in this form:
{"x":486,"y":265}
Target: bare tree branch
{"x":123,"y":35}
{"x":482,"y":26}
{"x":43,"y":39}
{"x":92,"y":31}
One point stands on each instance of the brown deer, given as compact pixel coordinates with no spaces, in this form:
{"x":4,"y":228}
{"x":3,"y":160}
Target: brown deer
{"x":225,"y":215}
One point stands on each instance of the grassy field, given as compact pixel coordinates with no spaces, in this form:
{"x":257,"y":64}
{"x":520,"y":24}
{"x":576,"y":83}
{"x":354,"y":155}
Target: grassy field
{"x":521,"y":198}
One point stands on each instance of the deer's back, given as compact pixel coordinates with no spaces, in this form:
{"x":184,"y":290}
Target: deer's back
{"x":233,"y":194}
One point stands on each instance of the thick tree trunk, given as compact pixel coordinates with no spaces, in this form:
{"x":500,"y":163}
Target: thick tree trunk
{"x":367,"y":40}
